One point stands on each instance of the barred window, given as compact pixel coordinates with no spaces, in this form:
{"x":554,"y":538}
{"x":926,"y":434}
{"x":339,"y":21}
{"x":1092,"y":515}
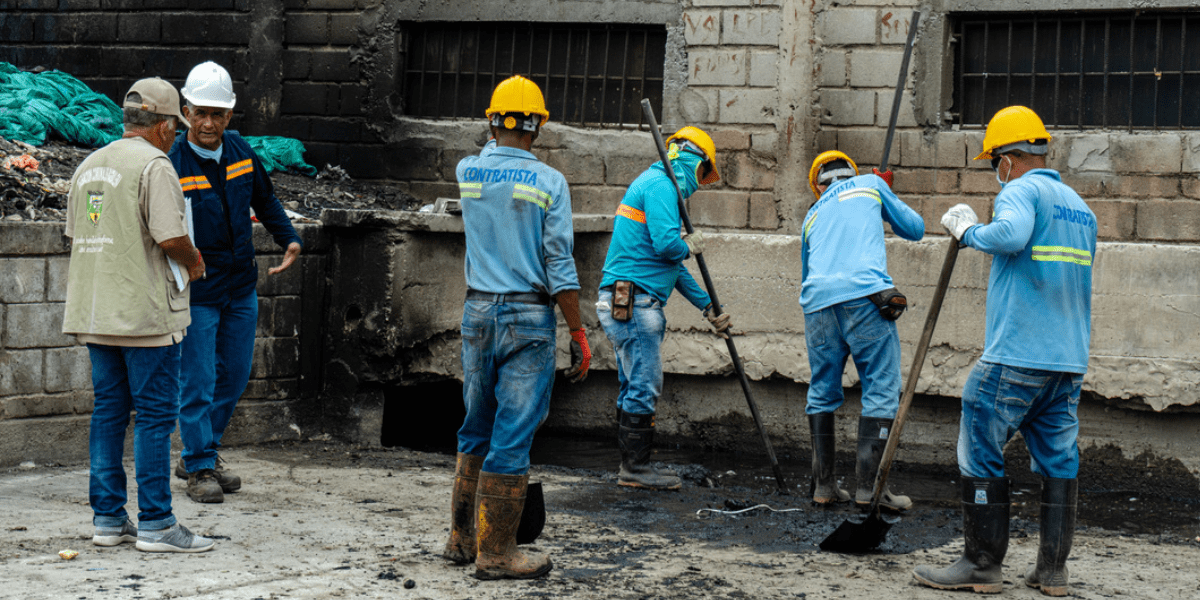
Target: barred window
{"x":591,"y":75}
{"x":1134,"y":70}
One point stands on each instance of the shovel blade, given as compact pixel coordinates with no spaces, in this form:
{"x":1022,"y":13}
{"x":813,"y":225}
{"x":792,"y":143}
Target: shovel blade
{"x":861,"y":537}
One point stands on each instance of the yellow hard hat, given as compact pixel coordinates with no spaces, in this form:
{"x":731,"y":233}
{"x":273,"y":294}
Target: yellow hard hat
{"x":1012,"y":125}
{"x":823,"y":159}
{"x":518,"y":95}
{"x":697,"y":136}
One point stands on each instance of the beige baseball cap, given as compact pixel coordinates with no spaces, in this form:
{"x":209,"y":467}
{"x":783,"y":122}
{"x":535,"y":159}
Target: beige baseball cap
{"x":158,"y":97}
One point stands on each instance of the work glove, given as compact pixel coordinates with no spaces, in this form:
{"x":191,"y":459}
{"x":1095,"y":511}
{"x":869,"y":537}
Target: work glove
{"x":886,"y":176}
{"x":695,"y":242}
{"x":720,"y":323}
{"x":958,"y":220}
{"x":581,"y":356}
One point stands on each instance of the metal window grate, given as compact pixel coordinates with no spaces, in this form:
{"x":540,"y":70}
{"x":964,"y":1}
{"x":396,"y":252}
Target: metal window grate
{"x":591,"y":75}
{"x":1135,"y":70}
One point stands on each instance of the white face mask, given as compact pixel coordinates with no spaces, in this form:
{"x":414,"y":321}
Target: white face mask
{"x":1010,"y":165}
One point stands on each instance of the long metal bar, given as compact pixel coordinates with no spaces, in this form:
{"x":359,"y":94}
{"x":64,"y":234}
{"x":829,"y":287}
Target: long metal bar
{"x":549,"y":53}
{"x":424,"y":46}
{"x":587,"y":57}
{"x":901,"y":81}
{"x":1082,"y":48}
{"x":624,"y":79}
{"x":1057,"y":69}
{"x":475,"y":75}
{"x":1008,"y":72}
{"x":437,"y":96}
{"x":567,"y":74}
{"x":962,"y":69}
{"x":645,"y":51}
{"x":457,"y":72}
{"x":1157,"y":63}
{"x":1107,"y":66}
{"x":604,"y":78}
{"x":1033,"y":63}
{"x":1132,"y":40}
{"x":1182,"y":50}
{"x":712,"y":293}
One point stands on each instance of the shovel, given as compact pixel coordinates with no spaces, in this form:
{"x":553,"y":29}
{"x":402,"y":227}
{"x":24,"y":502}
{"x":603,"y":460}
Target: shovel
{"x":858,"y":537}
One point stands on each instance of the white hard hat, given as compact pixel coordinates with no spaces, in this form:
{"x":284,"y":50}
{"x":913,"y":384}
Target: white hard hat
{"x":209,"y":84}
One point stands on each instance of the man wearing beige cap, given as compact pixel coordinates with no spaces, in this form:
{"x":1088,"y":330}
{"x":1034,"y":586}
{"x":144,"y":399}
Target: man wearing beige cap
{"x":127,"y":299}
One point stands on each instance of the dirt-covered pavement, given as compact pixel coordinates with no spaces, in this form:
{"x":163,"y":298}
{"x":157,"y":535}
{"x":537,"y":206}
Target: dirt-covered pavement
{"x":322,"y":520}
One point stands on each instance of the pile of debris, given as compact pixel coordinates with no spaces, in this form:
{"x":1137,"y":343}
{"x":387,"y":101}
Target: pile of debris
{"x":36,"y":188}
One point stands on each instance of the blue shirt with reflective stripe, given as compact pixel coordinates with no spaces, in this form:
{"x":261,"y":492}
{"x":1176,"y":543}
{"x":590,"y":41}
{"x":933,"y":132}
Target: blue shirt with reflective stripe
{"x":842,"y":248}
{"x":517,"y":217}
{"x":646,"y":247}
{"x":1039,"y":298}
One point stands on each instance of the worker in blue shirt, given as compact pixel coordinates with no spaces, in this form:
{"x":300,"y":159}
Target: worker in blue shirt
{"x":1043,"y":241}
{"x":644,"y":264}
{"x":222,"y":180}
{"x":517,"y":218}
{"x":850,"y":307}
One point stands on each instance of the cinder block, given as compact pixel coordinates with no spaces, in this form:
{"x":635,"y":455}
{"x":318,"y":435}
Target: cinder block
{"x":698,"y":106}
{"x":577,"y":168}
{"x":286,"y":319}
{"x":332,"y":65}
{"x":750,"y":27}
{"x":1114,"y":218}
{"x":905,"y":118}
{"x":978,"y":182}
{"x":717,"y":67}
{"x":719,"y":208}
{"x":875,"y":67}
{"x":702,"y":27}
{"x":68,"y":369}
{"x":727,"y":140}
{"x":1084,"y":152}
{"x":36,"y":326}
{"x":923,"y":181}
{"x":1089,"y":185}
{"x":306,"y":28}
{"x":847,"y":107}
{"x":1191,"y":152}
{"x":865,"y":146}
{"x":832,"y":66}
{"x":839,"y":26}
{"x":1191,"y":187}
{"x":139,"y":27}
{"x":22,"y":280}
{"x":1146,"y":153}
{"x":763,"y":212}
{"x":735,"y":2}
{"x":946,"y":149}
{"x":276,"y":357}
{"x":227,"y":29}
{"x":302,"y":98}
{"x":1142,"y":186}
{"x":343,"y":29}
{"x":428,"y":191}
{"x":595,"y":200}
{"x":894,"y":24}
{"x":297,"y":63}
{"x":1168,"y":220}
{"x":56,"y":283}
{"x":265,"y":326}
{"x":622,"y":170}
{"x":352,"y":98}
{"x":764,"y":142}
{"x":764,"y":68}
{"x":748,"y":106}
{"x":22,"y":373}
{"x":17,"y":28}
{"x":748,"y":171}
{"x":826,"y":139}
{"x":288,"y":282}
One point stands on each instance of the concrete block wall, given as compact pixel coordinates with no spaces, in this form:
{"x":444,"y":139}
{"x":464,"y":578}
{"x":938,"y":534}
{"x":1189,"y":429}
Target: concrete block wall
{"x":45,"y":376}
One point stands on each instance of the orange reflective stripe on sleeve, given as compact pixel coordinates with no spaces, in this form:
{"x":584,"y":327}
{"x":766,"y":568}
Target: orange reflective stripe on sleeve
{"x":629,"y":212}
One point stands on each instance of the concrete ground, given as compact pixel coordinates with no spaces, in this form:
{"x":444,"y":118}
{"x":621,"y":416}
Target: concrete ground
{"x":321,"y":520}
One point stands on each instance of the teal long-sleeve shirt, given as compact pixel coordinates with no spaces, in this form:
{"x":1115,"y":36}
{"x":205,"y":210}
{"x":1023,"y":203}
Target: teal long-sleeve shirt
{"x":843,"y":247}
{"x":1039,"y":297}
{"x":646,"y":247}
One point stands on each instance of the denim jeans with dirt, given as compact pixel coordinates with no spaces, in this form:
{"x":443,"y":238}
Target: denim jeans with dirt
{"x":853,"y":329}
{"x":1000,"y":400}
{"x":638,"y":346}
{"x":508,"y":370}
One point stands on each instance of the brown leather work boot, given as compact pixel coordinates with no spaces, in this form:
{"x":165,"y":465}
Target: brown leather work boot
{"x":460,"y":549}
{"x":202,"y":486}
{"x":501,"y":499}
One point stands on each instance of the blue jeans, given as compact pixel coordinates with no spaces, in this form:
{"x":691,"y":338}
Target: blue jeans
{"x":508,"y":370}
{"x":854,"y":328}
{"x":638,"y":346}
{"x":999,"y":400}
{"x":217,"y":353}
{"x":145,"y":380}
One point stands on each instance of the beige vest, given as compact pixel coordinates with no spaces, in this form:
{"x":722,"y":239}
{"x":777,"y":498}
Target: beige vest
{"x":118,"y":282}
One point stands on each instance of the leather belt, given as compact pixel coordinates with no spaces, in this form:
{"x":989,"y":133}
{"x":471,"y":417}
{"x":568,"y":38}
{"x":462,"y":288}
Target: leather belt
{"x":633,"y":289}
{"x":523,"y":298}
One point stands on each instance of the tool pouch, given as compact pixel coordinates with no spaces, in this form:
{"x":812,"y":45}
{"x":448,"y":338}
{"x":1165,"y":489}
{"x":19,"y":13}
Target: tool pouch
{"x":622,"y":301}
{"x":890,"y":302}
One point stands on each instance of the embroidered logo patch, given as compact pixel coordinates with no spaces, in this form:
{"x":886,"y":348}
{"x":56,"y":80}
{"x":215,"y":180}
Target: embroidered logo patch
{"x":95,"y":206}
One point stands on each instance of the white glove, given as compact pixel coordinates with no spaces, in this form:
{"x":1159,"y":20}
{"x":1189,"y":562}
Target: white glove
{"x":959,"y":219}
{"x":694,"y":241}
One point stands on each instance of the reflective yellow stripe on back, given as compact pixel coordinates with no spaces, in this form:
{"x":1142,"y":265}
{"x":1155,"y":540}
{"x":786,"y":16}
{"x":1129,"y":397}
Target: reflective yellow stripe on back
{"x":239,"y":168}
{"x":860,"y":193}
{"x":629,"y":212}
{"x":470,"y":190}
{"x":532,"y":194}
{"x":1062,"y":254}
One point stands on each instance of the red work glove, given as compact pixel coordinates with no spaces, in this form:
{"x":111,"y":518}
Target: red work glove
{"x":886,"y":176}
{"x":581,"y":356}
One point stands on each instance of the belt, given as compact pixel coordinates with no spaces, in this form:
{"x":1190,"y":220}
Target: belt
{"x":523,"y":298}
{"x":633,"y":289}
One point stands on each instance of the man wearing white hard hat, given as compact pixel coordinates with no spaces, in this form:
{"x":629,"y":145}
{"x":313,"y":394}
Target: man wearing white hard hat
{"x":223,"y":180}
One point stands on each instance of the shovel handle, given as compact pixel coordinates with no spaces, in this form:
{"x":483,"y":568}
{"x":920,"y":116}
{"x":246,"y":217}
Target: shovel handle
{"x":914,"y":373}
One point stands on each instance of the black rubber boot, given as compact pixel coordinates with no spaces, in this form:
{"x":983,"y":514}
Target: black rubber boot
{"x":635,"y":436}
{"x":824,"y":488}
{"x":872,"y":437}
{"x":985,"y":535}
{"x":1059,"y":501}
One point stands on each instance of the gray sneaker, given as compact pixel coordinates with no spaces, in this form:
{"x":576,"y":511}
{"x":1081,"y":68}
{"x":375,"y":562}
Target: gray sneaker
{"x":115,"y":536}
{"x":175,"y":538}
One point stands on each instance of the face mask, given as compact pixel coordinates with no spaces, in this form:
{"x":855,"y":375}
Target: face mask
{"x":997,"y":169}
